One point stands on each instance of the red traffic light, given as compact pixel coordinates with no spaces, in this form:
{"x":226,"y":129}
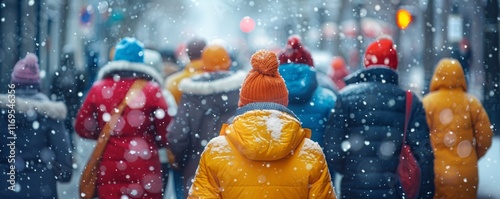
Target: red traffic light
{"x":403,"y":18}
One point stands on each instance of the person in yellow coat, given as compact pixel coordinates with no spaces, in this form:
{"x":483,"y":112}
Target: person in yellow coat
{"x":459,"y":129}
{"x":264,"y":152}
{"x":195,"y":48}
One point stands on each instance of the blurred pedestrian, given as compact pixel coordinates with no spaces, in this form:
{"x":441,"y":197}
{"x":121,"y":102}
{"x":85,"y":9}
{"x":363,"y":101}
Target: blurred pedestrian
{"x":194,"y":50}
{"x":363,"y":143}
{"x":170,"y":62}
{"x":68,"y":85}
{"x":338,"y":71}
{"x":264,"y":151}
{"x":208,"y":100}
{"x":36,"y":148}
{"x":460,"y":131}
{"x":130,"y":165}
{"x":311,"y":103}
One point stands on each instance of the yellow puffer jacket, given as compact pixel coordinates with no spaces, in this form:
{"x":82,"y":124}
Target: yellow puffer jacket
{"x":172,"y":82}
{"x":459,"y":129}
{"x":263,"y":154}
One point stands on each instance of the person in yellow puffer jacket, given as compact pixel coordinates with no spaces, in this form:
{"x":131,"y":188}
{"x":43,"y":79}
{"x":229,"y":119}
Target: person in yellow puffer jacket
{"x":264,"y":151}
{"x":195,"y":48}
{"x":459,"y":129}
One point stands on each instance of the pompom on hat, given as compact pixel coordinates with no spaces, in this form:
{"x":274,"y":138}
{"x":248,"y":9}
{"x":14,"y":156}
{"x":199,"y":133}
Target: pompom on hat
{"x":263,"y":83}
{"x":129,"y":49}
{"x":26,"y":71}
{"x":295,"y":52}
{"x":215,"y":58}
{"x":381,"y":52}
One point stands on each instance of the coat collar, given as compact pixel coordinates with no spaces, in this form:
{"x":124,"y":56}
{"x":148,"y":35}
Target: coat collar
{"x":39,"y":103}
{"x":210,"y":83}
{"x":373,"y":74}
{"x":125,"y":66}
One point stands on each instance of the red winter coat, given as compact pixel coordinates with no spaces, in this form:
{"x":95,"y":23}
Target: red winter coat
{"x":130,"y":164}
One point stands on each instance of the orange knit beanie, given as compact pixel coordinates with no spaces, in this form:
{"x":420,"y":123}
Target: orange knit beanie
{"x":215,"y":58}
{"x":264,"y":83}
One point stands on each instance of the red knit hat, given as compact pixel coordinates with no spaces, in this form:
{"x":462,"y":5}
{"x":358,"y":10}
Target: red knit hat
{"x":295,"y":52}
{"x":263,"y":83}
{"x":381,"y":52}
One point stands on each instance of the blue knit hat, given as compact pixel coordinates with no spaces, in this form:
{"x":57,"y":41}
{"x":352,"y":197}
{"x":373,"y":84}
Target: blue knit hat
{"x":129,"y":49}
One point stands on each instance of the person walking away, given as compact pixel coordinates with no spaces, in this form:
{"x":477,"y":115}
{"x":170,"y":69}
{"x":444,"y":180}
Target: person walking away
{"x":36,"y":149}
{"x":68,"y":85}
{"x":460,"y":131}
{"x":264,"y":151}
{"x":311,"y":103}
{"x":130,"y":166}
{"x":208,"y":100}
{"x":194,"y":50}
{"x":362,"y":142}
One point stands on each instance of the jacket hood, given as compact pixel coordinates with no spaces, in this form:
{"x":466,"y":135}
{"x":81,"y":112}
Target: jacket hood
{"x":374,"y":73}
{"x":118,"y":67}
{"x":448,"y":75}
{"x":212,"y":83}
{"x":300,"y":80}
{"x":265,"y":135}
{"x":38,"y":103}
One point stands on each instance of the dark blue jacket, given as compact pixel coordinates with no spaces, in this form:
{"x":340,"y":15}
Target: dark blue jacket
{"x":41,"y":153}
{"x":364,"y":140}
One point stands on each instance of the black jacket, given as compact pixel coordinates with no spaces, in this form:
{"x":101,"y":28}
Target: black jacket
{"x":363,"y":142}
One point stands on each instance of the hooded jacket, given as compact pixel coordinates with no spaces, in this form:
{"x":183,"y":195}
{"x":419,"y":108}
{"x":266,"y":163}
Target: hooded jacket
{"x":263,"y":153}
{"x":364,"y":140}
{"x":459,"y":129}
{"x":311,"y":103}
{"x":130,"y":163}
{"x":208,"y":101}
{"x":36,"y":144}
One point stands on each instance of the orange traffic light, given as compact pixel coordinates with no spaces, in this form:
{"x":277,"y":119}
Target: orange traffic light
{"x":403,"y":18}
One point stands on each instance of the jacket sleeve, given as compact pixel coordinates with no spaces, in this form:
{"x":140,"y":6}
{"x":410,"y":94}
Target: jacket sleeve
{"x":179,"y":131}
{"x":86,"y":125}
{"x":418,"y":138}
{"x":482,"y":128}
{"x":205,"y":184}
{"x":59,"y":144}
{"x":334,"y":135}
{"x":322,"y":187}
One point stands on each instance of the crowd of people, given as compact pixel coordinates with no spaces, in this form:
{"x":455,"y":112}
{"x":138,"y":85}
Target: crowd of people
{"x":276,"y":130}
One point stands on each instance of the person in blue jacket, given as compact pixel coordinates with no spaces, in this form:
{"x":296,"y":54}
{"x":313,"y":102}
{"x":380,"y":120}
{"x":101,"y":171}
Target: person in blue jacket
{"x":311,"y":103}
{"x":364,"y":140}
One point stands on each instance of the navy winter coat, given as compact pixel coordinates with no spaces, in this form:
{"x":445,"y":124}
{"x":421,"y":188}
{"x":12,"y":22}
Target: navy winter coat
{"x":364,"y":140}
{"x":41,"y":153}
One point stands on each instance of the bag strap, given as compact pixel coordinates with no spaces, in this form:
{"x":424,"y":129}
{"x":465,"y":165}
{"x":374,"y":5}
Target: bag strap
{"x":409,"y":99}
{"x":106,"y":130}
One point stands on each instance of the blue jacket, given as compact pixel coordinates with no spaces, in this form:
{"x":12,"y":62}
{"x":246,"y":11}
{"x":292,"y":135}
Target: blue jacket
{"x":364,"y":140}
{"x":311,"y":103}
{"x":41,"y":152}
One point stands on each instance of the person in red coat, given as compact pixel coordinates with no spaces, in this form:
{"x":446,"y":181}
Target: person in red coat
{"x":130,"y":165}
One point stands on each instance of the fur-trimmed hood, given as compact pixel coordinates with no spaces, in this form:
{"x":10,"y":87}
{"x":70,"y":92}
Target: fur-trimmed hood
{"x":116,"y":67}
{"x":211,"y":83}
{"x":54,"y":110}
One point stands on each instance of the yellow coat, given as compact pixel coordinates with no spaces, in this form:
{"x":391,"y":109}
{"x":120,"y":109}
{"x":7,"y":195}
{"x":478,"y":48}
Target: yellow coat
{"x":459,"y":129}
{"x":262,"y":154}
{"x":172,"y":82}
